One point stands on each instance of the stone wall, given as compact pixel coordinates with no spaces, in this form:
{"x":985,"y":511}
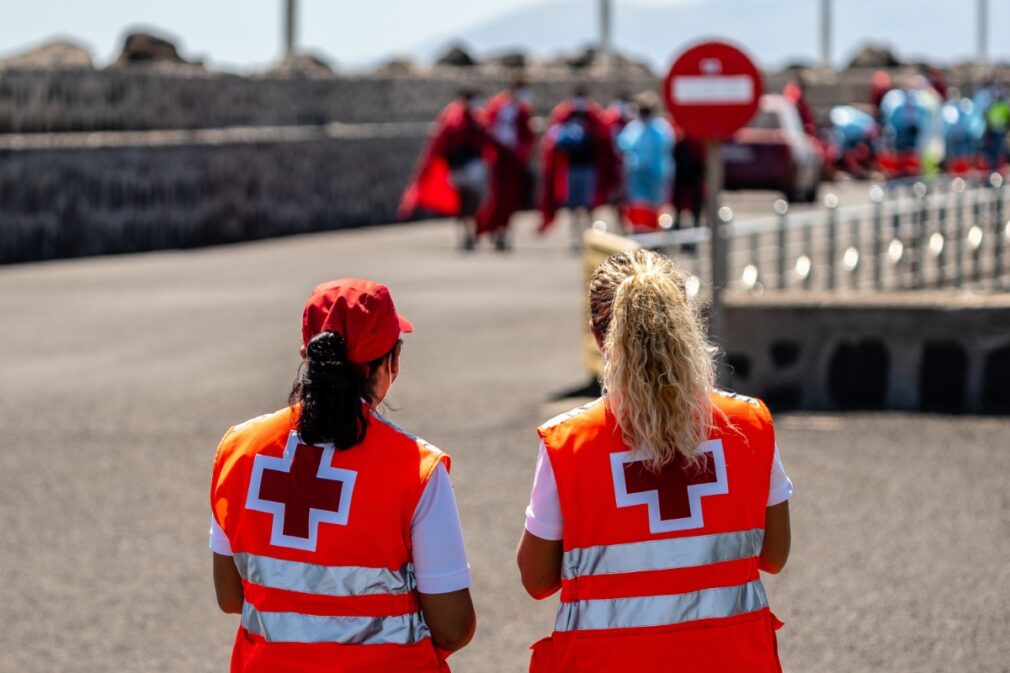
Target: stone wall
{"x":41,"y":101}
{"x":940,"y":352}
{"x":68,"y":202}
{"x":139,"y":98}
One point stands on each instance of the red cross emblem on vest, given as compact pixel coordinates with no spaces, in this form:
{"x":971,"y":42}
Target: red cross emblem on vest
{"x":673,"y":497}
{"x":301,"y":490}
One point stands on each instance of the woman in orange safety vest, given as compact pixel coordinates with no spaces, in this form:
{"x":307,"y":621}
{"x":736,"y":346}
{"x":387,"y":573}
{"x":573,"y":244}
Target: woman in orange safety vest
{"x":335,"y":533}
{"x":655,"y":507}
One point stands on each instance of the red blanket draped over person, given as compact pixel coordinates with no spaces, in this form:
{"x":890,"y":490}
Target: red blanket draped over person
{"x":509,"y":159}
{"x":554,"y":182}
{"x":431,"y":189}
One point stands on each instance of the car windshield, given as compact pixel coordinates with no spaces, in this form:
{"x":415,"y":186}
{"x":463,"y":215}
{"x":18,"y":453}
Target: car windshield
{"x":765,"y":119}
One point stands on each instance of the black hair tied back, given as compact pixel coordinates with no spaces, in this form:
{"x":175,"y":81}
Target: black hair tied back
{"x":330,"y":389}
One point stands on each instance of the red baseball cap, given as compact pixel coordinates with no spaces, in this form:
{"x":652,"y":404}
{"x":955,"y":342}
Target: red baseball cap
{"x":359,"y":310}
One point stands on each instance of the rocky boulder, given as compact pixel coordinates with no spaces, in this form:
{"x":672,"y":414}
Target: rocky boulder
{"x":146,"y":48}
{"x":302,"y":65}
{"x":456,"y":57}
{"x":874,"y":56}
{"x":55,"y":55}
{"x":510,"y":59}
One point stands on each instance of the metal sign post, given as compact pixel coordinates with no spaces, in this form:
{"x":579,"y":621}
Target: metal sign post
{"x":712,"y":90}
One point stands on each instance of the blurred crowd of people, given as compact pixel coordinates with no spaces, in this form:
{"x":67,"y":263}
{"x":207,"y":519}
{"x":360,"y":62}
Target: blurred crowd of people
{"x":920,"y":127}
{"x":483,"y":163}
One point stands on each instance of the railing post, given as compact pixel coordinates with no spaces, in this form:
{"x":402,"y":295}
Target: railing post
{"x":755,"y":245}
{"x":942,"y":229}
{"x":853,"y":258}
{"x":720,"y":272}
{"x":782,"y":208}
{"x":896,"y":235}
{"x":877,"y":197}
{"x":831,"y":202}
{"x":919,"y":218}
{"x":959,"y":231}
{"x":808,"y":255}
{"x":996,"y":180}
{"x":720,"y":268}
{"x":976,"y":236}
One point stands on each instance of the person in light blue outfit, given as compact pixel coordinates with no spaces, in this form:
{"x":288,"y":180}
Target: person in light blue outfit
{"x":647,"y":145}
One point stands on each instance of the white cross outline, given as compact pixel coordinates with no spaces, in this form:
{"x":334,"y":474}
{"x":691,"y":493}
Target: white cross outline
{"x":695,"y":492}
{"x":277,"y":509}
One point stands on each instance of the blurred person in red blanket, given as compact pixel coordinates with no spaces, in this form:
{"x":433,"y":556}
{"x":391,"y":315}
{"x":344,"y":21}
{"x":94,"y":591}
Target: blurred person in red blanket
{"x":580,"y":166}
{"x":451,"y":174}
{"x":507,"y":118}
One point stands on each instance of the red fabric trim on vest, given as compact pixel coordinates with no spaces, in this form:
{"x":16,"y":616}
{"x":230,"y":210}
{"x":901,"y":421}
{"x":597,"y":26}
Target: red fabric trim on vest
{"x":372,"y":605}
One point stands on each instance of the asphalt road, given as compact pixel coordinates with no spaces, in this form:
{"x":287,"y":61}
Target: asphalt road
{"x":119,"y":376}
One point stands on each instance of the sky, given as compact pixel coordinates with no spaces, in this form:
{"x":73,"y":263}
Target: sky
{"x":245,"y":35}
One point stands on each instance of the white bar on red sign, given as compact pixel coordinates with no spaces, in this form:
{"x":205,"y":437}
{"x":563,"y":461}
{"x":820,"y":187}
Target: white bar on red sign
{"x":713,"y":89}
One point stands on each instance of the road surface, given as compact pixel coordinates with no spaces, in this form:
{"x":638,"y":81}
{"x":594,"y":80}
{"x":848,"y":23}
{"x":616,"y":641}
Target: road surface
{"x":119,"y":376}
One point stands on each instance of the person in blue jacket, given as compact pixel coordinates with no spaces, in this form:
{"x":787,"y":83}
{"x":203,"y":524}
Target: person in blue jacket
{"x":646,"y":144}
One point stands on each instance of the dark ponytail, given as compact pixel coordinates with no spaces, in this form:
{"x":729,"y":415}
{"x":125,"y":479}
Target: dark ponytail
{"x":330,"y":389}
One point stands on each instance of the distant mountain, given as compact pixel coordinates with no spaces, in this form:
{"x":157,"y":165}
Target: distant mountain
{"x":776,"y":32}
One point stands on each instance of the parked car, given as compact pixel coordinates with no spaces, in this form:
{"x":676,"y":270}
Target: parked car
{"x":774,"y":152}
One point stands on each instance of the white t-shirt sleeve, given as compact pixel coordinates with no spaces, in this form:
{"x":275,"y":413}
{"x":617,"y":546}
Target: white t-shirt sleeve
{"x":543,"y":514}
{"x":219,"y":543}
{"x":440,"y":563}
{"x":781,"y":487}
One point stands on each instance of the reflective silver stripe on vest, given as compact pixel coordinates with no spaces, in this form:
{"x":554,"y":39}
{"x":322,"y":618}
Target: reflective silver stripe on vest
{"x":310,"y":578}
{"x":668,"y":554}
{"x":294,"y":627}
{"x":623,"y":613}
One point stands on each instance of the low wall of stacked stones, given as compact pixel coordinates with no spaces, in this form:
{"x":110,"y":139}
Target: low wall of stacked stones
{"x":56,"y":101}
{"x":138,"y":98}
{"x":116,"y":199}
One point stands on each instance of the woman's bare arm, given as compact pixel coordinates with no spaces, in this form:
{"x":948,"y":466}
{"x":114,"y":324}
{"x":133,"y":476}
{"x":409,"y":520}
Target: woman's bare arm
{"x":775,"y":550}
{"x":539,"y":565}
{"x":450,"y":617}
{"x":228,"y":585}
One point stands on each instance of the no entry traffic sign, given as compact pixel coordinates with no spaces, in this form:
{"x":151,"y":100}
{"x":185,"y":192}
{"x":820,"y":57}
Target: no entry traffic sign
{"x":712,"y":90}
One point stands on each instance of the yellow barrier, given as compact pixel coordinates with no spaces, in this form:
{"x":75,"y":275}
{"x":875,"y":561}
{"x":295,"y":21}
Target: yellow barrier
{"x":597,"y":246}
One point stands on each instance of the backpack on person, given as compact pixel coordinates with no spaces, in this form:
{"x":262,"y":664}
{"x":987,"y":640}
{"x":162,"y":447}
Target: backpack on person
{"x":573,"y":138}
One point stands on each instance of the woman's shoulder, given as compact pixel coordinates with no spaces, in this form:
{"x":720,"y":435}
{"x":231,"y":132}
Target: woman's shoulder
{"x":582,"y":412}
{"x":283,"y":418}
{"x":741,"y":411}
{"x":277,"y":422}
{"x":403,"y":439}
{"x":741,"y":408}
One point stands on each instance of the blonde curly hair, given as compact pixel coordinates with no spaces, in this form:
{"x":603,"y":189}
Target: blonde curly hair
{"x":658,"y":367}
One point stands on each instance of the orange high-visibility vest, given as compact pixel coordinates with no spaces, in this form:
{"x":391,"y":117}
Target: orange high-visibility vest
{"x":321,"y":539}
{"x":660,"y":571}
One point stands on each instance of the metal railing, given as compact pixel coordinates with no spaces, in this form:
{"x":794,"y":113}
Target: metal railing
{"x":911,"y":235}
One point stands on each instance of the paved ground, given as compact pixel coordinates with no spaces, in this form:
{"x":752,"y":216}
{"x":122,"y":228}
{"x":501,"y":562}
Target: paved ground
{"x":119,"y":375}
